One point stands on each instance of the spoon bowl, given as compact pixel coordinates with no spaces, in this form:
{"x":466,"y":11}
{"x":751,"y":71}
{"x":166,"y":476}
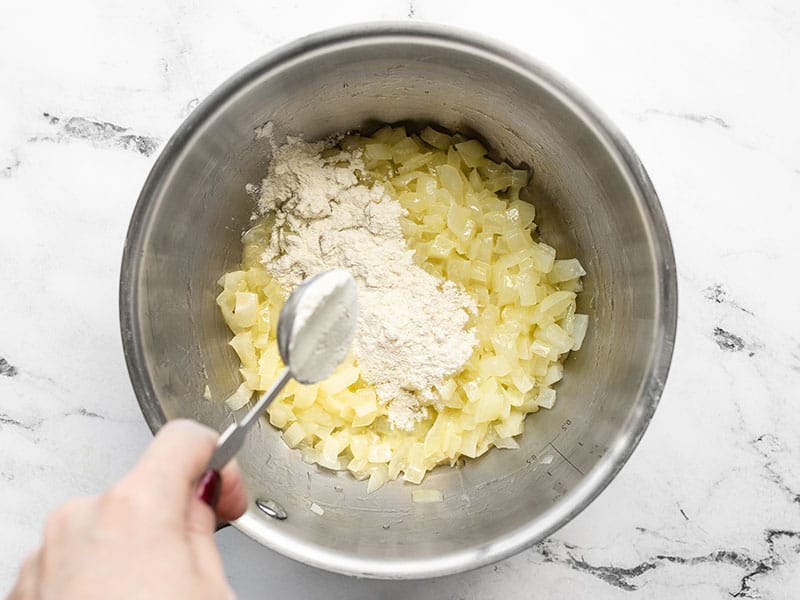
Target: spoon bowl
{"x":317,"y":314}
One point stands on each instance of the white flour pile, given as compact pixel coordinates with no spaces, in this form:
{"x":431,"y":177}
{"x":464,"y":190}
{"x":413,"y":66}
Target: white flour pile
{"x":410,"y":334}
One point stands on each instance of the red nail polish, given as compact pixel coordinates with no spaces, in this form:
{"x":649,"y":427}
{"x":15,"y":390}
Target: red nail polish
{"x":209,"y":487}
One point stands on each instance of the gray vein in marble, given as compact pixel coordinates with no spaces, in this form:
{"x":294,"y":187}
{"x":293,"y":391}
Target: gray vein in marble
{"x":718,"y":294}
{"x":6,"y":420}
{"x":82,"y":412}
{"x":35,"y":424}
{"x":727,"y":557}
{"x":412,"y":11}
{"x":795,"y":364}
{"x":7,"y":369}
{"x":692,"y":117}
{"x":661,"y":536}
{"x":614,"y":576}
{"x":767,"y":564}
{"x":24,"y":376}
{"x":43,"y":380}
{"x":101,"y":133}
{"x":11,"y":168}
{"x":728,"y":341}
{"x":733,"y":342}
{"x":624,"y":578}
{"x":766,"y":445}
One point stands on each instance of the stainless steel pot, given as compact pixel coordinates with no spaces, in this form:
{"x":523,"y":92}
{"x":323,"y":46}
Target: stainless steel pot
{"x":594,"y":201}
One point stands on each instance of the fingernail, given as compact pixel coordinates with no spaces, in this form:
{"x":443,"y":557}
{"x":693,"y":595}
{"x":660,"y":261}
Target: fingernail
{"x":209,"y":487}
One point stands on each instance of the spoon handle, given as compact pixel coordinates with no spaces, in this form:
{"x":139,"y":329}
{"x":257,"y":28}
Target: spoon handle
{"x":232,"y":439}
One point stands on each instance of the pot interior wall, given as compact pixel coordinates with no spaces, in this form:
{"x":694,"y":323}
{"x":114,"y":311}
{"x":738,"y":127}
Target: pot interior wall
{"x":587,"y":207}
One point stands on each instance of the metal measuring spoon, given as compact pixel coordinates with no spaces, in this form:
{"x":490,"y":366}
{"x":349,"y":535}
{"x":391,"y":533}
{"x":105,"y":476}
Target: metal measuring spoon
{"x":315,"y":329}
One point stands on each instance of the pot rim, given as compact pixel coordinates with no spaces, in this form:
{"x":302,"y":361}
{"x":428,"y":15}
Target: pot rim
{"x":627,"y":162}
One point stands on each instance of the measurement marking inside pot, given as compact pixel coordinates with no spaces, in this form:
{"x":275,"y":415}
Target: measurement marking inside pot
{"x":569,"y":462}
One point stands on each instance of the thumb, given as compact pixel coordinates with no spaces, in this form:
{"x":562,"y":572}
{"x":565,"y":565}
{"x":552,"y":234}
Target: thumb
{"x":173,"y":464}
{"x":174,"y":461}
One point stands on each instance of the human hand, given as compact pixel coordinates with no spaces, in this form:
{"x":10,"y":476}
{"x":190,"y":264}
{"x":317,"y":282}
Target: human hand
{"x":149,"y":536}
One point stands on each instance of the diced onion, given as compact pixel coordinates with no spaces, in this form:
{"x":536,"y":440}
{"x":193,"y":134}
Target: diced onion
{"x":436,"y":139}
{"x":240,"y":397}
{"x":579,"y":330}
{"x":564,"y":270}
{"x":427,"y":496}
{"x":465,"y":222}
{"x":546,"y":397}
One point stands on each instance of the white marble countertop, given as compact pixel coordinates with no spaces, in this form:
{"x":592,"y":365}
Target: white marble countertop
{"x":707,"y":92}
